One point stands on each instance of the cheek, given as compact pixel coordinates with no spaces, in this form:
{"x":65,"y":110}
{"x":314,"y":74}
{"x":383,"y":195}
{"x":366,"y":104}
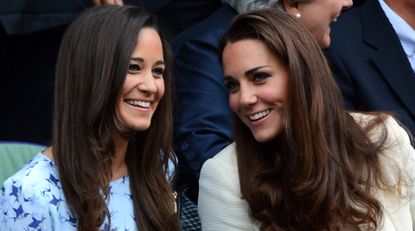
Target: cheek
{"x":127,"y":86}
{"x":276,"y":92}
{"x":160,"y":88}
{"x":322,"y":35}
{"x":233,"y":102}
{"x":119,"y":110}
{"x":338,"y":5}
{"x":317,"y":24}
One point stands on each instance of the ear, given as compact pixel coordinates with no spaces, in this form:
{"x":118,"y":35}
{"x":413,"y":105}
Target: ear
{"x":291,"y":6}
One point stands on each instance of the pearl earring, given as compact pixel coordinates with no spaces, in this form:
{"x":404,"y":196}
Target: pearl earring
{"x":297,"y":15}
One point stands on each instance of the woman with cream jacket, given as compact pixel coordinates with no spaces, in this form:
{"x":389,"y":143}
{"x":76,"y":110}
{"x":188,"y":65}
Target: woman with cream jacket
{"x":300,"y":161}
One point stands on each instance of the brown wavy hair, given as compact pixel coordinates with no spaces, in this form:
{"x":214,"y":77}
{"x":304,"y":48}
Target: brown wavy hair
{"x":91,"y":68}
{"x":318,"y":174}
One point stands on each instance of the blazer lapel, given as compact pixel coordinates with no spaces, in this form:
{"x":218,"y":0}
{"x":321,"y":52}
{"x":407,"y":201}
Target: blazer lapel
{"x":389,"y":58}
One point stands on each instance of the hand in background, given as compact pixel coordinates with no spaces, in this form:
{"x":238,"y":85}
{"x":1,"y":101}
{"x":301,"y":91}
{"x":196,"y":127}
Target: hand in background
{"x":111,"y":2}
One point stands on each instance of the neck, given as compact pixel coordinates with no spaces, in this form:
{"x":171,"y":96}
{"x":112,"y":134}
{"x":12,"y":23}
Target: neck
{"x":48,"y":152}
{"x":405,"y":9}
{"x":119,"y":166}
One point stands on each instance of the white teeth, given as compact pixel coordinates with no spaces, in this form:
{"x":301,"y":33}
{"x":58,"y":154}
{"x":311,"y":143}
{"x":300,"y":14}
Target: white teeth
{"x":259,"y":115}
{"x":138,"y":103}
{"x":144,"y":104}
{"x":335,"y":19}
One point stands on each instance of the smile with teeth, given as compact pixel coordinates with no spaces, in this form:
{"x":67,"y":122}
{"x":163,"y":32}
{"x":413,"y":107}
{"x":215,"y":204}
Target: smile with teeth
{"x":138,"y":103}
{"x":259,"y":115}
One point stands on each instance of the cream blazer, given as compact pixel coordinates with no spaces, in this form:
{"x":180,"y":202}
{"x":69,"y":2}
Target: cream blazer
{"x":221,"y":208}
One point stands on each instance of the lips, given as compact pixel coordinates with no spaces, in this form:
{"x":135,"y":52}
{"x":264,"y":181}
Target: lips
{"x":259,"y":115}
{"x":138,"y":103}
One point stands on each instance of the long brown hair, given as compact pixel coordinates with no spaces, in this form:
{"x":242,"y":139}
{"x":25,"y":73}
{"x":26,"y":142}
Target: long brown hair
{"x":91,"y":69}
{"x":318,"y":174}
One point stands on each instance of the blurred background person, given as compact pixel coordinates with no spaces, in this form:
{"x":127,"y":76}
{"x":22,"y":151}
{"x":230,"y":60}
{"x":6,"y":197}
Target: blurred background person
{"x":373,"y":58}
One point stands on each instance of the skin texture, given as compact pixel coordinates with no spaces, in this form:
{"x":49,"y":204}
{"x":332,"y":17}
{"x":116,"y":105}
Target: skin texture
{"x":111,"y":2}
{"x":405,"y":9}
{"x":317,"y":15}
{"x":144,"y":85}
{"x":257,"y":84}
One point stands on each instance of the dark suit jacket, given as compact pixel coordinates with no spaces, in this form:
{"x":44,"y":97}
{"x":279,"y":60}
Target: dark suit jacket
{"x":24,"y":16}
{"x":370,"y":65}
{"x":203,"y":121}
{"x":179,"y":15}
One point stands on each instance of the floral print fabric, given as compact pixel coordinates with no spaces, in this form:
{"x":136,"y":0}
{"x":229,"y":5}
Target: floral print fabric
{"x":32,"y":199}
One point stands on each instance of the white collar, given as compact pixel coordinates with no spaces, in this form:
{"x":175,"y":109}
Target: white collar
{"x":405,"y":32}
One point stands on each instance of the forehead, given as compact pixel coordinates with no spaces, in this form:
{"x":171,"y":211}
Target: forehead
{"x":249,"y":45}
{"x":246,"y":53}
{"x":148,"y":41}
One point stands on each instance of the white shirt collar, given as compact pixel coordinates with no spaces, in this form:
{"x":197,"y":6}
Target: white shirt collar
{"x":405,"y":32}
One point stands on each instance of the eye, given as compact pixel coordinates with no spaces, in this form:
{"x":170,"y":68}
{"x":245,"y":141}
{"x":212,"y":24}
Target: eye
{"x":158,"y":72}
{"x":231,"y":85}
{"x":260,"y":77}
{"x":134,"y":68}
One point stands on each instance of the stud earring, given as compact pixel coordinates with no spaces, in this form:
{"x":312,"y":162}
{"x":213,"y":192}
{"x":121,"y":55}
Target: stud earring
{"x":297,"y":15}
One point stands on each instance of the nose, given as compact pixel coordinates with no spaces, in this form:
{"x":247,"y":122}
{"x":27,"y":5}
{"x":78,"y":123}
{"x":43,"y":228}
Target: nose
{"x":148,"y":85}
{"x":347,"y":4}
{"x":247,"y":96}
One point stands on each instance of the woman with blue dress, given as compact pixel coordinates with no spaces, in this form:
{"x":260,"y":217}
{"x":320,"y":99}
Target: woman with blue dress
{"x":107,"y":167}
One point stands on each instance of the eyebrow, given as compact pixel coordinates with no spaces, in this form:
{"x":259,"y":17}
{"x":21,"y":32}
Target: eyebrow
{"x":247,"y":73}
{"x":252,"y":70}
{"x":160,"y":62}
{"x":228,"y":78}
{"x":139,"y":59}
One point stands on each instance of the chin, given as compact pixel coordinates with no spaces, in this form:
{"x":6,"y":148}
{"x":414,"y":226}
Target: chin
{"x":325,"y":41}
{"x":139,"y":127}
{"x":263,"y":139}
{"x":268,"y":135}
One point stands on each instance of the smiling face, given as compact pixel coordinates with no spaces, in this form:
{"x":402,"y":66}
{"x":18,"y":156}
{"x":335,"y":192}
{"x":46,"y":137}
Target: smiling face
{"x":316,"y":15}
{"x":257,"y":84}
{"x":143,"y":87}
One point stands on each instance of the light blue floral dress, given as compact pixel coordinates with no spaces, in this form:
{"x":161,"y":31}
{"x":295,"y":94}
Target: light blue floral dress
{"x":32,"y":199}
